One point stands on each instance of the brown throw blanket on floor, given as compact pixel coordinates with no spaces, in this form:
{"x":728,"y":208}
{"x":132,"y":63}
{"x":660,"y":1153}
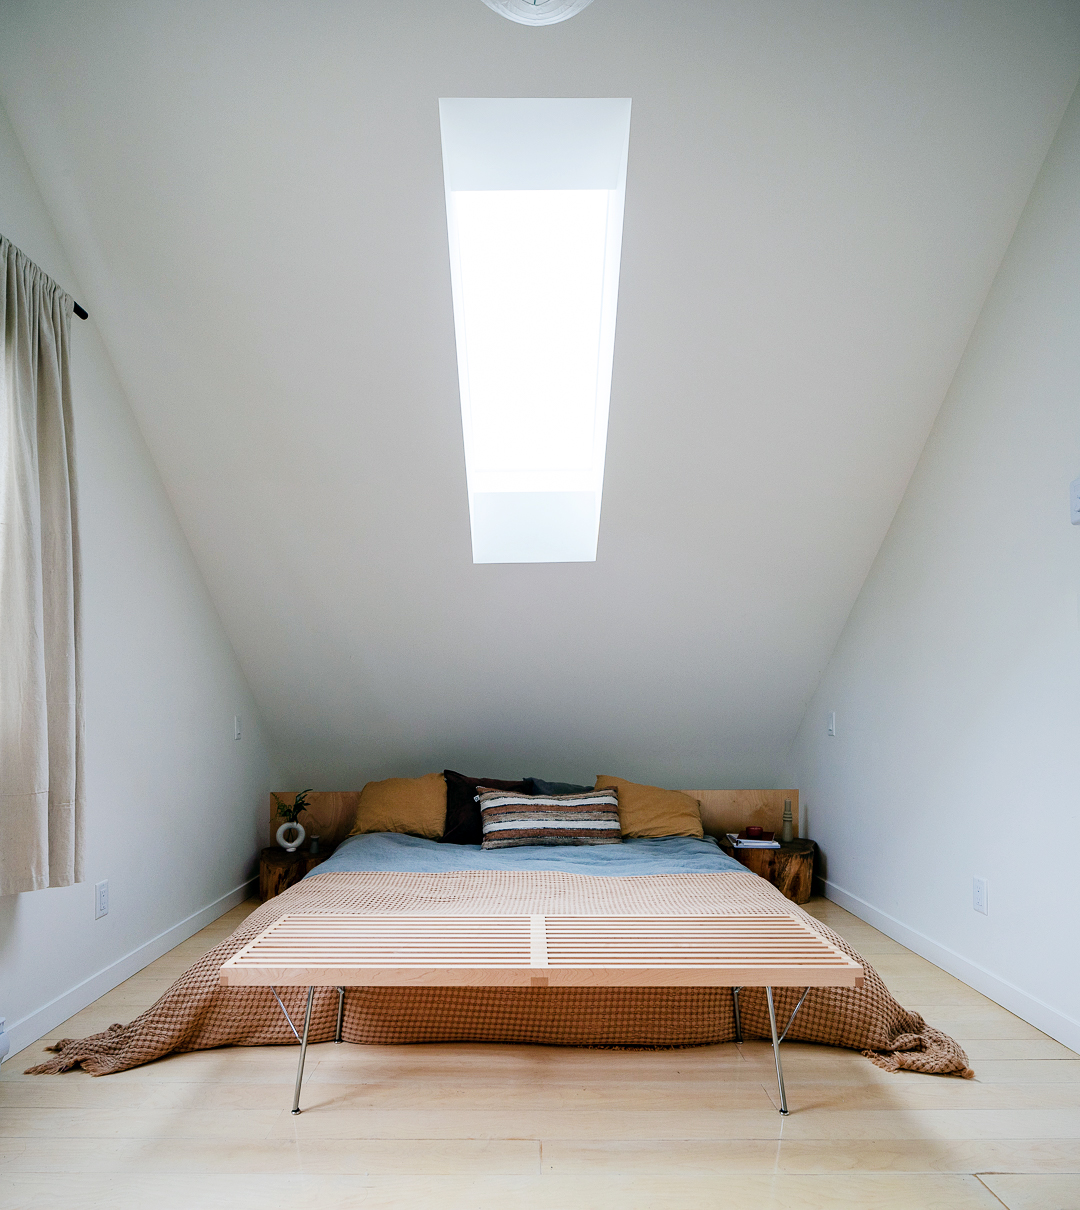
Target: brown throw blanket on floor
{"x":197,"y":1012}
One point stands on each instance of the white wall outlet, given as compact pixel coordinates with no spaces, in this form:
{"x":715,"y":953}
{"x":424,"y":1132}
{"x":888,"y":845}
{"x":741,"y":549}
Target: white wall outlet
{"x":5,"y":1042}
{"x":832,"y":722}
{"x":978,"y":895}
{"x":236,"y":726}
{"x":101,"y":899}
{"x":1074,"y":501}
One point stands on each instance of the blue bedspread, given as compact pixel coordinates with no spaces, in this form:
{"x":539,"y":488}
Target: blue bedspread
{"x":397,"y":853}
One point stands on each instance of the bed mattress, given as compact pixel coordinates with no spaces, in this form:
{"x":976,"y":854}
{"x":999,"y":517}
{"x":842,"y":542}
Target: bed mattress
{"x":396,"y":853}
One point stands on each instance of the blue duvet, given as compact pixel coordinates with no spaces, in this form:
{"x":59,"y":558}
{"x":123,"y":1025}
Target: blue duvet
{"x":397,"y":853}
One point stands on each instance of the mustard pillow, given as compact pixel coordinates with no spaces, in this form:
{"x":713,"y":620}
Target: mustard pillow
{"x":648,"y":811}
{"x":416,"y":805}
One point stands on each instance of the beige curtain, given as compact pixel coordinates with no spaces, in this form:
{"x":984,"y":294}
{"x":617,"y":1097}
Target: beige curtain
{"x":41,"y":779}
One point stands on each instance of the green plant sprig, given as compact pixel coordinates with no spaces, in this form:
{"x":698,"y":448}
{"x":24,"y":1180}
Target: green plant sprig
{"x":291,"y":813}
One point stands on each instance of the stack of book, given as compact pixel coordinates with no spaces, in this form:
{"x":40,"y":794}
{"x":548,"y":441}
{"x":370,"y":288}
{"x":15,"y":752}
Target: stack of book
{"x":740,"y":840}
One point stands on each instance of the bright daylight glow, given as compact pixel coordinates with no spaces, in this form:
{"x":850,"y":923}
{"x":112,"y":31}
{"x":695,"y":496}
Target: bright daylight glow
{"x":534,"y":212}
{"x":532,"y":277}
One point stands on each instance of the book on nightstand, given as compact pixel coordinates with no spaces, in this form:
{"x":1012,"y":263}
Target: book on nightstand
{"x":740,"y":840}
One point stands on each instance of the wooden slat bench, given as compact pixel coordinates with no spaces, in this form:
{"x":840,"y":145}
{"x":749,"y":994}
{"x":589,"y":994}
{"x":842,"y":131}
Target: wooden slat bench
{"x":540,"y":951}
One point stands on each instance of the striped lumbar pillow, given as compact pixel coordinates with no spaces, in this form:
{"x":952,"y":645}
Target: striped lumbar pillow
{"x":523,"y":819}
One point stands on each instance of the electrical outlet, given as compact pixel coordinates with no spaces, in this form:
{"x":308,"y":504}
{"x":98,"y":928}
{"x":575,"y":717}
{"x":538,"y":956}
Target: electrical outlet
{"x":832,"y":722}
{"x":978,"y":895}
{"x":5,"y":1042}
{"x":236,"y":726}
{"x":101,"y":899}
{"x":1074,"y":502}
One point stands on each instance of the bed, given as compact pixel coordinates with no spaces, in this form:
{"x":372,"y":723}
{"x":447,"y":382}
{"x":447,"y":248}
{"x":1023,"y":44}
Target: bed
{"x":391,"y":873}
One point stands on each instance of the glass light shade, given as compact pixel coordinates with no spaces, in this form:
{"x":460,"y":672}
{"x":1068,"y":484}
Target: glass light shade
{"x":537,"y":12}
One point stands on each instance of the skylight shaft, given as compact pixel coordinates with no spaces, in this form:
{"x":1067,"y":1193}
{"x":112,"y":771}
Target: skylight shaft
{"x":534,"y":201}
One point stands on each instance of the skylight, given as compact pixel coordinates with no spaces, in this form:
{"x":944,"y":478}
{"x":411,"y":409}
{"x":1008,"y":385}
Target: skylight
{"x":534,"y":207}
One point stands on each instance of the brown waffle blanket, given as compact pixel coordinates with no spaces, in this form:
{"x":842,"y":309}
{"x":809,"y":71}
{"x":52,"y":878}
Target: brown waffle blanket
{"x":197,"y":1012}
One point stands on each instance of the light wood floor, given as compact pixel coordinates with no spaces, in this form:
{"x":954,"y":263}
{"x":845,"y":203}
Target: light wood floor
{"x":475,"y":1126}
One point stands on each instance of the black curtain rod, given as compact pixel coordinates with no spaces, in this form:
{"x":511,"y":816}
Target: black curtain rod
{"x":81,"y":312}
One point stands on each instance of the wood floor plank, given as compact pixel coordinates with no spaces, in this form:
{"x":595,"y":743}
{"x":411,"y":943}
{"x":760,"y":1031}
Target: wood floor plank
{"x":908,"y":986}
{"x":358,"y":1157}
{"x":923,"y":998}
{"x":230,"y":1066}
{"x":108,"y":1123}
{"x":522,"y":1121}
{"x":660,"y":1156}
{"x":1022,"y":1192}
{"x":391,"y":1094}
{"x":712,"y":1075}
{"x":905,"y":963}
{"x":977,"y":1022}
{"x":930,"y":1094}
{"x":1026,"y":1071}
{"x":317,"y":1191}
{"x":1018,"y":1048}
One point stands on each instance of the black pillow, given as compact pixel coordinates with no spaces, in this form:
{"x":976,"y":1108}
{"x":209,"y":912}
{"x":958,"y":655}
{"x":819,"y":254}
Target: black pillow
{"x":463,"y":821}
{"x":548,"y":788}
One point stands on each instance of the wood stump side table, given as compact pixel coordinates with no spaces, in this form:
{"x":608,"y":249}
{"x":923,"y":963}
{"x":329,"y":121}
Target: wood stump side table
{"x":790,"y":868}
{"x":279,"y":870}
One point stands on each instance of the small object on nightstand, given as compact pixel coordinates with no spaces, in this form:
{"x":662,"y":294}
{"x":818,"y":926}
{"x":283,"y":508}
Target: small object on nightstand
{"x":744,"y":840}
{"x":786,"y":829}
{"x":292,"y":843}
{"x":313,"y":848}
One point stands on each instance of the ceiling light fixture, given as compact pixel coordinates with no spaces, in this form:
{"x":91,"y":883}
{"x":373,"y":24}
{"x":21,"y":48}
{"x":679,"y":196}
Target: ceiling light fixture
{"x":537,"y":12}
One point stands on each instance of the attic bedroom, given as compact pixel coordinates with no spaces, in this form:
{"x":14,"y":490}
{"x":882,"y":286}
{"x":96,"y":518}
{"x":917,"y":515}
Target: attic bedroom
{"x":539,"y":604}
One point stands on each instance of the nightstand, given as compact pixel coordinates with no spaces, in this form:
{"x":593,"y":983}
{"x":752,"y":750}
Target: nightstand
{"x":279,"y":870}
{"x":790,"y":868}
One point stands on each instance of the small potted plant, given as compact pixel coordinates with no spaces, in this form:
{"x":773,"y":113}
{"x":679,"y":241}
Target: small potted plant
{"x":290,"y":813}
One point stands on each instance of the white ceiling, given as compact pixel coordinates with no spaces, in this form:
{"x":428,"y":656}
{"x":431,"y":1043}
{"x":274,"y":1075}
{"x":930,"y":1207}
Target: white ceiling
{"x":819,"y":194}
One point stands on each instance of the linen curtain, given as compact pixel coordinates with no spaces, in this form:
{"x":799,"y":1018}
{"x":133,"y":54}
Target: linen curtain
{"x":41,"y":748}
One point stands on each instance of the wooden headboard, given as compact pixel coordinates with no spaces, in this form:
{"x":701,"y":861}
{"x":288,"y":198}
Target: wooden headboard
{"x":731,"y":810}
{"x":721,"y":811}
{"x":334,"y":814}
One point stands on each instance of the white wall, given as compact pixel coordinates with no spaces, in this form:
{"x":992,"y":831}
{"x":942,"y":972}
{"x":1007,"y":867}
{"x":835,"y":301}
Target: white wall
{"x":956,"y":682}
{"x":174,"y":803}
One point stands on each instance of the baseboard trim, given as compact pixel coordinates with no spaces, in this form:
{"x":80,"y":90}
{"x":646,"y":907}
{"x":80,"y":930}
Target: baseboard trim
{"x":1062,"y":1028}
{"x":37,"y":1024}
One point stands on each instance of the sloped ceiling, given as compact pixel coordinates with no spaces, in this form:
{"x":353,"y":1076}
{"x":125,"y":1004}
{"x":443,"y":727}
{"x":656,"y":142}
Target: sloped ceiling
{"x":818,"y":197}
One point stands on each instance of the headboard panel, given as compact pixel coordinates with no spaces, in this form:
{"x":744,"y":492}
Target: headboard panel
{"x":721,"y":811}
{"x":335,"y":811}
{"x":731,"y":810}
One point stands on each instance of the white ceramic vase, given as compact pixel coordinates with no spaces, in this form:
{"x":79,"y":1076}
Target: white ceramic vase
{"x":290,"y":846}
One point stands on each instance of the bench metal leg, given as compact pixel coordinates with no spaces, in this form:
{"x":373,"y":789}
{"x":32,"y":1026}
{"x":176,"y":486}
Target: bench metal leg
{"x":775,"y":1048}
{"x":738,"y":1018}
{"x":340,"y":1012}
{"x":303,"y":1049}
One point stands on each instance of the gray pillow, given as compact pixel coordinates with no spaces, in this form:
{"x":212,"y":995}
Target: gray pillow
{"x":534,"y":785}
